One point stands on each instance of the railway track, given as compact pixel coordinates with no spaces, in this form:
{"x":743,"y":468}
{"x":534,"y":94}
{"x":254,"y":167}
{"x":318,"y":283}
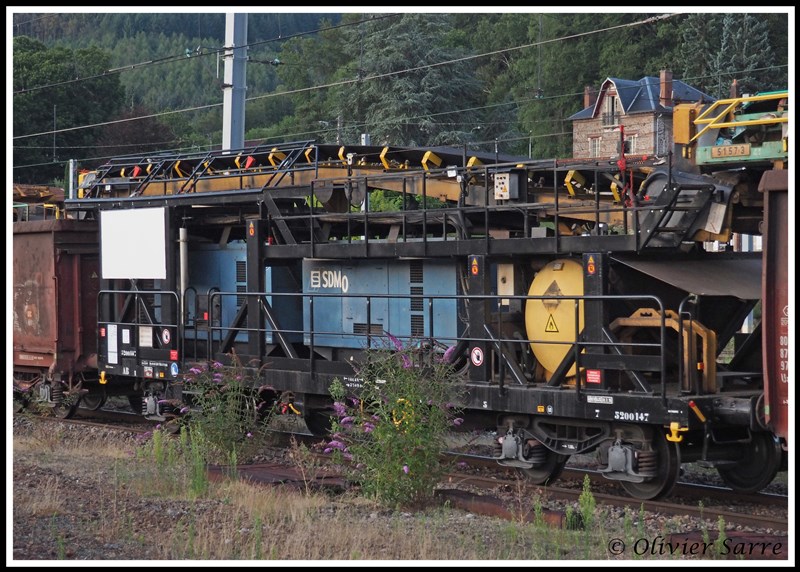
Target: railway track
{"x":689,"y":491}
{"x":501,"y":492}
{"x":103,"y":419}
{"x":561,"y":494}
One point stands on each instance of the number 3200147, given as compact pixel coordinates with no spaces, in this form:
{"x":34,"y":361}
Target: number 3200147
{"x":630,"y":416}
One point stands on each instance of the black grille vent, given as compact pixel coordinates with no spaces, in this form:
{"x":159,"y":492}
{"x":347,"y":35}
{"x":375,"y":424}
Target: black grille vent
{"x":416,"y":272}
{"x":417,"y":326}
{"x":240,"y":299}
{"x":241,"y":271}
{"x":361,"y":328}
{"x":417,"y":304}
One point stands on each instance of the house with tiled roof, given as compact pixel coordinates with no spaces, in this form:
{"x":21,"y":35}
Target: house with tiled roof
{"x":640,"y":112}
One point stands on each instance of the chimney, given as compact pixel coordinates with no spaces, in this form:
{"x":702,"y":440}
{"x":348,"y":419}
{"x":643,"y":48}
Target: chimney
{"x":589,"y":96}
{"x":734,"y":89}
{"x":665,"y":93}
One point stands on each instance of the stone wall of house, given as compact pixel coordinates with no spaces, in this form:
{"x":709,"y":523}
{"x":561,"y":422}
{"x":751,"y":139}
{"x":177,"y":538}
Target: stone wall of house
{"x":641,"y":125}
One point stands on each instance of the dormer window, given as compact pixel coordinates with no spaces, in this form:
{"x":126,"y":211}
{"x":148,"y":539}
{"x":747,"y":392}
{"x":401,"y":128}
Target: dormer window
{"x":610,"y":113}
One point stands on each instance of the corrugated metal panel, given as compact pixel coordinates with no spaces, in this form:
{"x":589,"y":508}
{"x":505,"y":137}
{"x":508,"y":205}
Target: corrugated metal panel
{"x":775,"y":315}
{"x":55,"y":282}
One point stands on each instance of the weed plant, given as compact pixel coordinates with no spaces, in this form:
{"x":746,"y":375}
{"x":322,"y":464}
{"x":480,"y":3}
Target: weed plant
{"x":226,"y":413}
{"x":394,"y":429}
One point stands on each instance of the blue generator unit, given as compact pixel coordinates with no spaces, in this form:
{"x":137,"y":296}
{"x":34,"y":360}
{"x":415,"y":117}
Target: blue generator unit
{"x":215,"y":269}
{"x":345,"y":301}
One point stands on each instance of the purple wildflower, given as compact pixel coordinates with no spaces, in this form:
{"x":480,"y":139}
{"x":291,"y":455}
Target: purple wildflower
{"x":249,"y":435}
{"x":407,"y":363}
{"x":457,"y":421}
{"x":347,"y":421}
{"x":398,"y":346}
{"x":461,"y":465}
{"x":339,"y":409}
{"x":195,"y":371}
{"x":347,"y":456}
{"x":184,"y":409}
{"x":158,"y":426}
{"x":327,"y":450}
{"x":405,"y":469}
{"x":448,"y":354}
{"x":337,"y":445}
{"x":216,"y":365}
{"x":368,"y":427}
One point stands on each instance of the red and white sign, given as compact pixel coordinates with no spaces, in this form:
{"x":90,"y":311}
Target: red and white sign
{"x":594,"y":376}
{"x":476,"y":355}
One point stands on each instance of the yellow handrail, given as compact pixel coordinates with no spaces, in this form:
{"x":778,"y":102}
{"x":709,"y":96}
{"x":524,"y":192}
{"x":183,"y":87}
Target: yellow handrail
{"x":718,"y":121}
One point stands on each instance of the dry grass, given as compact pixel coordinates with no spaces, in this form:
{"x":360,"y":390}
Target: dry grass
{"x":65,"y":440}
{"x":77,"y":495}
{"x":237,"y":532}
{"x":270,"y":504}
{"x":44,"y":501}
{"x":134,"y":500}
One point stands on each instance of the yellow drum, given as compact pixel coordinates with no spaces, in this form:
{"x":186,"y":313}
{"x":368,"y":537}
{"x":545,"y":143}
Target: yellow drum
{"x":550,"y":323}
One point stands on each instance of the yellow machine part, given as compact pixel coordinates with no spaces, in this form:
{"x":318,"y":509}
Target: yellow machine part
{"x":550,"y":323}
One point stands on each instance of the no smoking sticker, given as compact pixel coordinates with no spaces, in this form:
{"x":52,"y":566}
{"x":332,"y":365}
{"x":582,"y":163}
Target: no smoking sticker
{"x":476,"y":355}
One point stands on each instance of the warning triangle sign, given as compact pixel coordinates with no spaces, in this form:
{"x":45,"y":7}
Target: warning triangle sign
{"x":551,"y":325}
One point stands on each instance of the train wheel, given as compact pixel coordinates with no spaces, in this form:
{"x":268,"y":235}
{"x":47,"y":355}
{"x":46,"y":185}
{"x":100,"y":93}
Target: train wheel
{"x":669,"y":467}
{"x":66,"y":408}
{"x":93,"y":401}
{"x":547,"y":472}
{"x":761,"y":462}
{"x":318,"y":422}
{"x":136,"y":402}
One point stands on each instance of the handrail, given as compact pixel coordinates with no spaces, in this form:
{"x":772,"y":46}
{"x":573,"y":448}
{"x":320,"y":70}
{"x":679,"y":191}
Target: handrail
{"x":718,"y":121}
{"x":311,"y":332}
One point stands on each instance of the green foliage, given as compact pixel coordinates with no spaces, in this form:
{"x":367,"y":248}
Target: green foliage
{"x":587,"y":503}
{"x":179,"y":464}
{"x":226,"y":412}
{"x":719,"y":543}
{"x":715,"y":49}
{"x":46,"y":97}
{"x":408,"y":100}
{"x":538,"y":512}
{"x":395,"y":429}
{"x":402,"y":78}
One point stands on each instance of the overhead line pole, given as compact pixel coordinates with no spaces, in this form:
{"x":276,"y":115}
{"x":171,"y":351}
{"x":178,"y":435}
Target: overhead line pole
{"x":235,"y":81}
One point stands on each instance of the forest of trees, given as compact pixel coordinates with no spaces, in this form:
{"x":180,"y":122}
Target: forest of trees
{"x":94,"y":86}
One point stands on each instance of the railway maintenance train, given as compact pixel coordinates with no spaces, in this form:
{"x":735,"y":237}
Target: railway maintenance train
{"x":586,"y":309}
